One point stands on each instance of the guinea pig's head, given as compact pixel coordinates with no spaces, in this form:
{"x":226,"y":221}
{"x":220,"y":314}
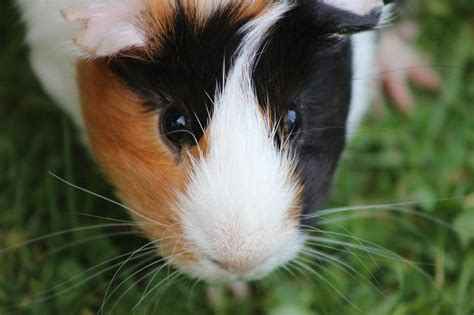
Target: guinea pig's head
{"x":220,"y":123}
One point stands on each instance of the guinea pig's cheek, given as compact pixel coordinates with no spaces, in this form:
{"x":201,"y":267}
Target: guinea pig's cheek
{"x":124,"y":138}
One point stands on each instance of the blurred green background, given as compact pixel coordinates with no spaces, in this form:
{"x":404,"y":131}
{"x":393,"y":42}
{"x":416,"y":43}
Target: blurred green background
{"x":396,"y":261}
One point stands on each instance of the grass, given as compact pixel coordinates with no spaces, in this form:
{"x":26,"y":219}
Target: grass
{"x":428,"y":158}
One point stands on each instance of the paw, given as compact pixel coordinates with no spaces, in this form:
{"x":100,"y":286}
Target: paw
{"x":216,"y":296}
{"x":109,"y":26}
{"x":401,"y":64}
{"x":239,"y":290}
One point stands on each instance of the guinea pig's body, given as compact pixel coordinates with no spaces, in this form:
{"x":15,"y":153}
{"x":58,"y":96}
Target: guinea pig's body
{"x":219,"y":122}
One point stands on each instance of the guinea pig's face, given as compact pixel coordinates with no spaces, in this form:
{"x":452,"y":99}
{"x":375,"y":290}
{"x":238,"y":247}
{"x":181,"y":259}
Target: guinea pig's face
{"x":224,"y":128}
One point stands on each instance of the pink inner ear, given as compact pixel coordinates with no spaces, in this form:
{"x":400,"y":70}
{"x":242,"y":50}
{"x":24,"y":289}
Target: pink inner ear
{"x":361,"y":7}
{"x":110,"y":26}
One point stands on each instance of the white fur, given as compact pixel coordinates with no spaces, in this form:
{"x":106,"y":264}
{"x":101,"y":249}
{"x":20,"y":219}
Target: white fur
{"x":364,"y":80}
{"x":364,"y":71}
{"x":110,"y":26}
{"x":51,"y":58}
{"x":389,"y":13}
{"x":236,"y":207}
{"x":361,"y":7}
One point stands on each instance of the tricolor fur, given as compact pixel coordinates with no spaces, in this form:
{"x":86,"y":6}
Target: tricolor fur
{"x":227,"y":206}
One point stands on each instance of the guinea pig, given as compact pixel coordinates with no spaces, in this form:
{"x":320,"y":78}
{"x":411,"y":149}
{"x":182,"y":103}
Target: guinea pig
{"x":220,"y":123}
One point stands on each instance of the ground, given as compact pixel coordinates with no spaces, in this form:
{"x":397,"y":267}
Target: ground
{"x":415,"y":256}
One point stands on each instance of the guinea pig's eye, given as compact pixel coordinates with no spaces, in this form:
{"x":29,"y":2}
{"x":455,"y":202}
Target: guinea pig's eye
{"x":293,"y":120}
{"x":176,"y":126}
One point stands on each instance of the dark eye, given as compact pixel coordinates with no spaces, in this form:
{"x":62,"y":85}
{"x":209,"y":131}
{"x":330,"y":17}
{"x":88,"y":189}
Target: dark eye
{"x":293,"y":120}
{"x":176,"y":126}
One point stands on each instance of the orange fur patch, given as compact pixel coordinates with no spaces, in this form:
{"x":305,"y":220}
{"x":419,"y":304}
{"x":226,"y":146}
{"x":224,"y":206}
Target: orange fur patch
{"x":126,"y":142}
{"x":201,"y":149}
{"x":200,"y":10}
{"x":158,"y":22}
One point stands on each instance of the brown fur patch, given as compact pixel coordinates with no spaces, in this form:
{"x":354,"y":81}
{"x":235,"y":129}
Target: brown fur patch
{"x":201,"y":149}
{"x":157,"y":22}
{"x":126,"y":142}
{"x":200,"y":10}
{"x":158,"y":19}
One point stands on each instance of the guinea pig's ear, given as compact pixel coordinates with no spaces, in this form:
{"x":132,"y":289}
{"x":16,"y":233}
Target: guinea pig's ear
{"x":353,"y":16}
{"x":110,"y":26}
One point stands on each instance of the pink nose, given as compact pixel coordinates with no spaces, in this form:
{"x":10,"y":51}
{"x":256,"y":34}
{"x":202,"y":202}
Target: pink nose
{"x":236,"y":265}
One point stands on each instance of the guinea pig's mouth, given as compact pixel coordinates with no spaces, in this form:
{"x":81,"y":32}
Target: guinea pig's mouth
{"x":212,"y":271}
{"x":220,"y":270}
{"x":242,"y":273}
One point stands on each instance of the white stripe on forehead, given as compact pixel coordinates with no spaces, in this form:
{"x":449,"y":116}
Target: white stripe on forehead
{"x":238,"y":202}
{"x":255,"y":33}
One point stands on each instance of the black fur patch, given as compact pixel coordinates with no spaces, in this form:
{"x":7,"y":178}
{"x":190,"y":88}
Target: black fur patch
{"x":302,"y":63}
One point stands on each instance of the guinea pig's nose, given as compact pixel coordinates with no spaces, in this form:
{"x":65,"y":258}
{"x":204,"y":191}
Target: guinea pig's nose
{"x":236,"y":265}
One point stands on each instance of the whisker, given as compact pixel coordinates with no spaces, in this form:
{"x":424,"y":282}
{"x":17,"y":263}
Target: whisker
{"x":344,"y":218}
{"x":108,"y":295}
{"x":337,"y":128}
{"x":345,"y":267}
{"x":328,"y":258}
{"x":185,"y":131}
{"x":145,"y":251}
{"x":404,"y":69}
{"x":312,"y":271}
{"x":124,"y":263}
{"x":160,"y":293}
{"x":348,"y":249}
{"x":148,"y":285}
{"x":383,"y":253}
{"x":291,"y":265}
{"x":72,"y":287}
{"x":167,"y":278}
{"x":91,"y":238}
{"x":63,"y":232}
{"x":389,"y":207}
{"x":134,"y":284}
{"x":191,"y":291}
{"x":377,"y":206}
{"x":286,"y":268}
{"x":374,"y":249}
{"x":368,"y":253}
{"x":107,"y":218}
{"x":365,"y":247}
{"x":105,"y":198}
